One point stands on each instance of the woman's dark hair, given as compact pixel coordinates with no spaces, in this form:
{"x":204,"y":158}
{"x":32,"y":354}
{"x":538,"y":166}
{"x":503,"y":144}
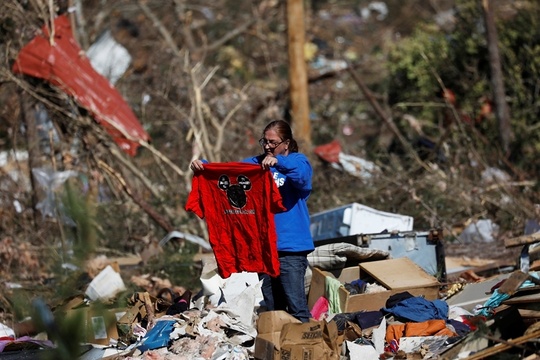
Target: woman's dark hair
{"x":284,"y":131}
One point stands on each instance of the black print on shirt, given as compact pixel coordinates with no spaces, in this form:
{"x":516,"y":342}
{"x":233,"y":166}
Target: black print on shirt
{"x":236,"y":193}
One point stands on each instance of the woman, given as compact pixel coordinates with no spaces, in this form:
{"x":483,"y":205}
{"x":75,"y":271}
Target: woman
{"x":292,"y":173}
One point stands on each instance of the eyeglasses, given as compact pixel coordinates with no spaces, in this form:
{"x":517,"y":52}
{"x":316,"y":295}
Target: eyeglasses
{"x":272,"y":144}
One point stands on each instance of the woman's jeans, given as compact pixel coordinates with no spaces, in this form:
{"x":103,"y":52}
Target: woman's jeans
{"x":287,"y":291}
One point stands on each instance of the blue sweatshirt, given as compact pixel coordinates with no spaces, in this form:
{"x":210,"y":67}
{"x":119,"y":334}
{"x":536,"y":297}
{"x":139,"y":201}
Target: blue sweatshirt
{"x":292,"y":175}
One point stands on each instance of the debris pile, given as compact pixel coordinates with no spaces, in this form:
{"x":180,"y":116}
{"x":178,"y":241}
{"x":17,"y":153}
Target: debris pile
{"x":381,"y":307}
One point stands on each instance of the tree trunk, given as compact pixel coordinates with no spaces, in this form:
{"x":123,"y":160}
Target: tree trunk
{"x":497,"y":82}
{"x":28,"y":117}
{"x":298,"y":72}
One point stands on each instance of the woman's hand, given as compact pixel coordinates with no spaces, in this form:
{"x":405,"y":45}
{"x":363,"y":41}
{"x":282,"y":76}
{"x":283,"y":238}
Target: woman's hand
{"x":196,"y":165}
{"x":268,"y":162}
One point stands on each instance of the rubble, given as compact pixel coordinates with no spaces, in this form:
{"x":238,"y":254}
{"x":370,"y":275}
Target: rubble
{"x":213,"y":325}
{"x":472,"y":319}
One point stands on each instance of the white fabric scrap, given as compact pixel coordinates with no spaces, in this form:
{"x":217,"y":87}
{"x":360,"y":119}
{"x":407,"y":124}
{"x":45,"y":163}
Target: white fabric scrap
{"x":6,"y":331}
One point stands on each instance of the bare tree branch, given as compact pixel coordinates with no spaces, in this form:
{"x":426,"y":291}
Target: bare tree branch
{"x":157,"y":23}
{"x":80,"y":30}
{"x":230,"y":35}
{"x":385,"y":118}
{"x":120,"y":157}
{"x":160,"y":220}
{"x":186,"y":21}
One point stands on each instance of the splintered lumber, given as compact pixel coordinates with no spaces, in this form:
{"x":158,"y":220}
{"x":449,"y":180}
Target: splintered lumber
{"x":530,"y":314}
{"x":512,"y":284}
{"x":149,"y":309}
{"x":533,"y":298}
{"x":522,"y":240}
{"x":503,"y":347}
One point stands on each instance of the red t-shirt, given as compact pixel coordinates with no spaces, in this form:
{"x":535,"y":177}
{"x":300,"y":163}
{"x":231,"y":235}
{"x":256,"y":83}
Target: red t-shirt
{"x":238,"y":202}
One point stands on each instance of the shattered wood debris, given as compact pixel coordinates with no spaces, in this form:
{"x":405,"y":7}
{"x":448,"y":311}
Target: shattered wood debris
{"x":403,"y":311}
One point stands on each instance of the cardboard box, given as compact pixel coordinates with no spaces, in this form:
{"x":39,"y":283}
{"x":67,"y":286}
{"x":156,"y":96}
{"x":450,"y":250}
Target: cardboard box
{"x":97,"y":321}
{"x":281,"y":336}
{"x":267,"y":346}
{"x":269,"y":325}
{"x":315,"y":340}
{"x":99,"y":324}
{"x":396,"y":275}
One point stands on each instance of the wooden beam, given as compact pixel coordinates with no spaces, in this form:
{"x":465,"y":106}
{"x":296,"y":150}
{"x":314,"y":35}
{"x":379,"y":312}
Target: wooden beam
{"x":522,"y":240}
{"x":503,"y":347}
{"x":512,"y":284}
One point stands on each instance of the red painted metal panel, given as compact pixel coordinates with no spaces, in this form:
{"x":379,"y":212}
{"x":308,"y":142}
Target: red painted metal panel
{"x":64,"y":64}
{"x":329,"y":152}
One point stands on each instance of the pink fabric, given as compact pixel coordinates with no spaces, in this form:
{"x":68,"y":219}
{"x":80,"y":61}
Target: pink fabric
{"x":23,"y":342}
{"x":320,"y":308}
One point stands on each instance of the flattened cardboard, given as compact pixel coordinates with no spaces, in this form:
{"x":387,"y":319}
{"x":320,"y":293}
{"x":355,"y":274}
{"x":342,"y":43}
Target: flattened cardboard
{"x":400,"y":273}
{"x":135,"y":313}
{"x":99,"y":324}
{"x":414,"y":280}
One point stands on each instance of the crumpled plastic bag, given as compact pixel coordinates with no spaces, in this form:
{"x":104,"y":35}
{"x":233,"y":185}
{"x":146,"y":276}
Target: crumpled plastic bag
{"x":480,"y":231}
{"x":51,"y":181}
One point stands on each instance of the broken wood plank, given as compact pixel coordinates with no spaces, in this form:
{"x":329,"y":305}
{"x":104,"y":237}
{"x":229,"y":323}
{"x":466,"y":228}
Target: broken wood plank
{"x":530,"y":314}
{"x":503,"y":347}
{"x":534,"y":280}
{"x":513,"y":283}
{"x":535,"y":266}
{"x":149,"y":309}
{"x":523,"y":299}
{"x":522,"y":240}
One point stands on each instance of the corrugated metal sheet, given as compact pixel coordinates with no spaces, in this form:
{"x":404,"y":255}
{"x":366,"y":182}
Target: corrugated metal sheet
{"x":63,"y":64}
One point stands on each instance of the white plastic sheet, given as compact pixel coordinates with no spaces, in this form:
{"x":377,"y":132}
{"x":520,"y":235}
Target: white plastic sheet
{"x":108,"y":57}
{"x":105,"y":285}
{"x":483,"y":230}
{"x":50,"y":181}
